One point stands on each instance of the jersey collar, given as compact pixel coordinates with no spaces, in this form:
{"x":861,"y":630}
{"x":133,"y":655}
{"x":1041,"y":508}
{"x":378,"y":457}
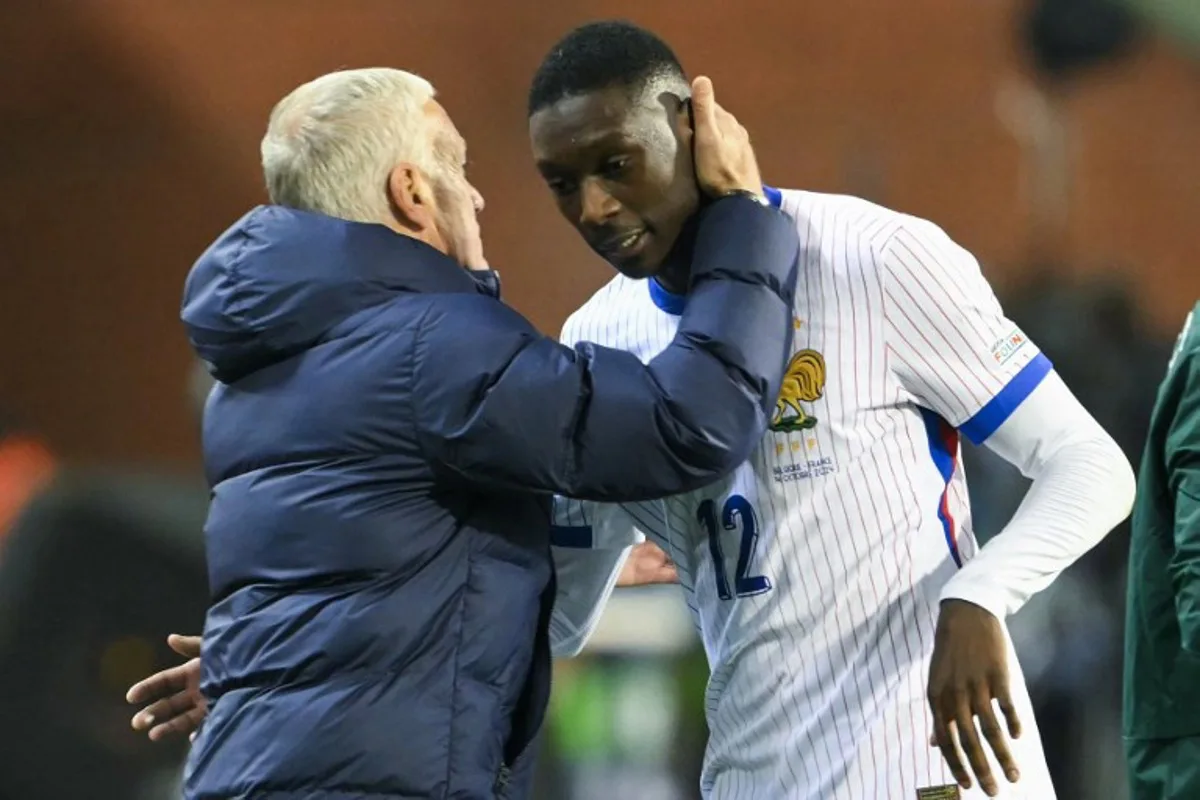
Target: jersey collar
{"x":674,"y":304}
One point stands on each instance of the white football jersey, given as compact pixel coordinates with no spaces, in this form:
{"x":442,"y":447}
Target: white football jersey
{"x":813,"y":572}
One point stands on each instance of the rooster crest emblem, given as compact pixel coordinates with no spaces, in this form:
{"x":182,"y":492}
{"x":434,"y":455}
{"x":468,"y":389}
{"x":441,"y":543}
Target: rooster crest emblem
{"x":804,"y":382}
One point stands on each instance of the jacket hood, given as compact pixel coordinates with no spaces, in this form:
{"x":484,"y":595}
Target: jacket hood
{"x":279,"y":279}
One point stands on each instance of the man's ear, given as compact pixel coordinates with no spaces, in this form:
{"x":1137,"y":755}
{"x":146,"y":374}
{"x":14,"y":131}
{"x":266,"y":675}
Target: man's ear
{"x":411,"y":198}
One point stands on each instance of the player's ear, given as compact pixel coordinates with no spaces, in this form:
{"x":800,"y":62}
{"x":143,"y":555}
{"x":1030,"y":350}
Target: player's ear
{"x":685,"y":124}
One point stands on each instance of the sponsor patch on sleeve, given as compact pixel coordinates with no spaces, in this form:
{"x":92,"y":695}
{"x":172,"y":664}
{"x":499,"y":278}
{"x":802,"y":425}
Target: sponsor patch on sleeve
{"x":1008,"y":346}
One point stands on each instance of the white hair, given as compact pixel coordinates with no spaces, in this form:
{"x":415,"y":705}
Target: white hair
{"x":331,"y":143}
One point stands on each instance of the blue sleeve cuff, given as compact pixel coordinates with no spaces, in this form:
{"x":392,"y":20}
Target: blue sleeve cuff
{"x":985,"y":422}
{"x":578,"y":536}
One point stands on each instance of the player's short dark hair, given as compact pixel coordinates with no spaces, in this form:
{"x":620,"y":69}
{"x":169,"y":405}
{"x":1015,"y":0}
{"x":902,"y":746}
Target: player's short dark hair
{"x":600,"y":55}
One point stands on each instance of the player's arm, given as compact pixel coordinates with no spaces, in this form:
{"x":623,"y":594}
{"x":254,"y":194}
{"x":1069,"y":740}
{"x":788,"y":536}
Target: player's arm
{"x":497,"y":403}
{"x":1082,"y":487}
{"x":957,"y":353}
{"x":964,"y":362}
{"x":1183,"y":468}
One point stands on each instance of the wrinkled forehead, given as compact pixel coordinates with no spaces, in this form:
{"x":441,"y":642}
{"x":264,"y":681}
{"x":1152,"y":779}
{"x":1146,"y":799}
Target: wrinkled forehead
{"x":581,"y":124}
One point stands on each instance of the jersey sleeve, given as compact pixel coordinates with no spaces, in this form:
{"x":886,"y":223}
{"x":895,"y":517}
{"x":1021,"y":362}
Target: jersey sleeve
{"x":949,"y":342}
{"x":584,"y":524}
{"x":1082,"y":488}
{"x":590,"y":543}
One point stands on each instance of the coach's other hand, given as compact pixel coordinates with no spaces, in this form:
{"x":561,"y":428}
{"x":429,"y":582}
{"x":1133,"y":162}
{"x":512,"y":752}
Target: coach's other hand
{"x":174,"y":703}
{"x":647,"y":564}
{"x":969,"y":670}
{"x":725,"y":160}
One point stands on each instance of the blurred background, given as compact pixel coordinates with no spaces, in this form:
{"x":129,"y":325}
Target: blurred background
{"x":1059,"y":140}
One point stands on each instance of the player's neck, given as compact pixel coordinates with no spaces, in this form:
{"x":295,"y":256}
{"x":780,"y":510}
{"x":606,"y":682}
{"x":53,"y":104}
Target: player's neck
{"x":675,"y":277}
{"x":676,"y":273}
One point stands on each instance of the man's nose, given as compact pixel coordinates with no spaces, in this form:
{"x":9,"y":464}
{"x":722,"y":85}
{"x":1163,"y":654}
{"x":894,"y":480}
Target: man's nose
{"x":597,"y":205}
{"x":477,"y":200}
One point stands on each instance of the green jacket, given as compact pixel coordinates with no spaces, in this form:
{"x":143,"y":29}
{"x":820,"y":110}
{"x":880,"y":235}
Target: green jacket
{"x":1162,"y":635}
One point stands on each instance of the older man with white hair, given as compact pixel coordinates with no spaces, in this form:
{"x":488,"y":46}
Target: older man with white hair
{"x":384,"y":437}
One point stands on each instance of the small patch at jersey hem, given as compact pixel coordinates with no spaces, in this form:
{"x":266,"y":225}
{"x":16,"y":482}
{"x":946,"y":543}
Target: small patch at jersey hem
{"x":948,"y":792}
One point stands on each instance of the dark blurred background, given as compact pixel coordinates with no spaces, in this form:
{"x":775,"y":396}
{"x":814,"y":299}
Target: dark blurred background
{"x":1056,"y":139}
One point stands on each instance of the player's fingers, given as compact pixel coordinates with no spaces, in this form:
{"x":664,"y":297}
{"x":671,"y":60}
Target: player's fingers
{"x":968,"y":737}
{"x":157,"y":685}
{"x":1004,"y":698}
{"x":994,"y":735}
{"x":154,"y":714}
{"x":665,"y":574}
{"x":945,"y":742}
{"x":179,"y":703}
{"x":177,"y":726}
{"x":186,"y":646}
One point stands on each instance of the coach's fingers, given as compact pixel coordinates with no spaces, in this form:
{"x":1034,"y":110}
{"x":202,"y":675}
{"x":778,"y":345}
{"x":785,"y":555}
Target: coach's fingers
{"x":944,"y":738}
{"x":968,"y":737}
{"x":994,"y":735}
{"x":727,"y":125}
{"x":703,"y":103}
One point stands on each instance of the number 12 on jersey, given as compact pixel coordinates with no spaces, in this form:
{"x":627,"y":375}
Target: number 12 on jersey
{"x":737,"y":509}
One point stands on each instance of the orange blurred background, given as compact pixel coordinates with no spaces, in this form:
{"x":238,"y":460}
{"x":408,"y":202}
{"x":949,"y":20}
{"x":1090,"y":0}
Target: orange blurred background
{"x":131,"y":129}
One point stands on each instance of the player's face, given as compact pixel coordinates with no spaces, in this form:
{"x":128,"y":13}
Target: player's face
{"x":620,"y":168}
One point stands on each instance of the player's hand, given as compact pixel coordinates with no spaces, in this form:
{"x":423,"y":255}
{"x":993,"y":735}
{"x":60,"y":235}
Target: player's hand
{"x":173,"y":703}
{"x":725,"y":160}
{"x":969,"y":670}
{"x":647,"y":564}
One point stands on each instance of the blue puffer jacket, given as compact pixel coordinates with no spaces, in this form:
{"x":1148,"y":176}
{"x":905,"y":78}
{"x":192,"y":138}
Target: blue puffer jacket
{"x":382,"y":445}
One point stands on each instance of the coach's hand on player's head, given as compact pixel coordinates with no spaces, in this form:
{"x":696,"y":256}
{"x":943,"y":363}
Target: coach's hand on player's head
{"x":647,"y":564}
{"x":724,"y":158}
{"x":172,"y":701}
{"x":968,"y":672}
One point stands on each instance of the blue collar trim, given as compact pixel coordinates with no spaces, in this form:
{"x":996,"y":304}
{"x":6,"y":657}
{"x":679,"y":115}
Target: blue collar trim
{"x":667,"y":301}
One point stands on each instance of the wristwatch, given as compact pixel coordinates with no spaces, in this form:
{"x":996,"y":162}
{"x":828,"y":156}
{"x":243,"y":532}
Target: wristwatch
{"x":757,"y":197}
